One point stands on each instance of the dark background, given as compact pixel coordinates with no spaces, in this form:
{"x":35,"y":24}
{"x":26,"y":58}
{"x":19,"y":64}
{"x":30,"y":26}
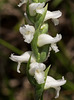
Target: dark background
{"x":15,"y":86}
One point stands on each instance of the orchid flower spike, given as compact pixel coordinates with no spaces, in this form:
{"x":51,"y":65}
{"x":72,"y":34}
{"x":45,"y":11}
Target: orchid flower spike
{"x":52,"y":83}
{"x":37,"y":70}
{"x":51,"y":15}
{"x":34,"y":7}
{"x":23,"y":1}
{"x":44,"y":39}
{"x":23,"y":58}
{"x":28,"y":32}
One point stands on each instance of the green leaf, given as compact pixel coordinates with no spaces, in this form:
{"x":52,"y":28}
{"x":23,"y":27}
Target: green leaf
{"x":11,"y":47}
{"x":40,"y":87}
{"x":30,"y":78}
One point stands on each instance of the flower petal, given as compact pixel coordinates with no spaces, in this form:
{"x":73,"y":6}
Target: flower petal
{"x":18,"y":67}
{"x":39,"y":76}
{"x":44,"y":39}
{"x":28,"y":32}
{"x":51,"y":82}
{"x":55,"y":21}
{"x":33,"y":7}
{"x":36,"y":66}
{"x":57,"y":91}
{"x":23,"y":58}
{"x":52,"y":15}
{"x":55,"y":48}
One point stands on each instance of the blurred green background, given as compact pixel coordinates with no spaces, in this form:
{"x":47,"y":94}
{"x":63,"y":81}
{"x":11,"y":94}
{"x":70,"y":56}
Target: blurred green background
{"x":15,"y":86}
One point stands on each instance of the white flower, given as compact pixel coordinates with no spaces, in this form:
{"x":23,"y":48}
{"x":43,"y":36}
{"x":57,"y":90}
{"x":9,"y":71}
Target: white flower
{"x":52,"y":83}
{"x":23,"y":1}
{"x":44,"y":39}
{"x":51,"y":15}
{"x":22,"y":58}
{"x":28,"y":32}
{"x":34,"y":7}
{"x":37,"y":70}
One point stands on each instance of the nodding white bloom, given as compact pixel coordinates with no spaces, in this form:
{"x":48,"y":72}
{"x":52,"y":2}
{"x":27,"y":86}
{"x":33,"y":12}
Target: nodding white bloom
{"x":37,"y":70}
{"x":34,"y":7}
{"x":44,"y":39}
{"x":22,"y":58}
{"x":28,"y":32}
{"x":51,"y":15}
{"x":23,"y":1}
{"x":52,"y":83}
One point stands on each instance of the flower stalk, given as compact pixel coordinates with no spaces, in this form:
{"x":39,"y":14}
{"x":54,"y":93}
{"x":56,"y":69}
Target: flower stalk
{"x":35,"y":32}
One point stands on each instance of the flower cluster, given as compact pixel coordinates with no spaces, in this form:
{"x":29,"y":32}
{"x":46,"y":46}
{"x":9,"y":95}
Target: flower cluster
{"x":35,"y":32}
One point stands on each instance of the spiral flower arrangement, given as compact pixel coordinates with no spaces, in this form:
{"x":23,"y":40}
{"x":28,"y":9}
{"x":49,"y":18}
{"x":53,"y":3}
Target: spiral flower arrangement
{"x":35,"y":32}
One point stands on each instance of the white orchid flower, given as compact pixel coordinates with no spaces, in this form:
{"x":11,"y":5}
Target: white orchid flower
{"x":44,"y":39}
{"x":28,"y":32}
{"x":23,"y":1}
{"x":22,"y":58}
{"x":37,"y":70}
{"x":51,"y":15}
{"x":52,"y":83}
{"x":34,"y":7}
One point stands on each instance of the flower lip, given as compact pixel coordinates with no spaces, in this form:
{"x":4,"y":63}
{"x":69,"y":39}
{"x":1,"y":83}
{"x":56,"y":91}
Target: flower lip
{"x":44,"y":39}
{"x":33,"y":7}
{"x":23,"y":58}
{"x":28,"y":32}
{"x":36,"y":66}
{"x":52,"y":83}
{"x":37,"y":70}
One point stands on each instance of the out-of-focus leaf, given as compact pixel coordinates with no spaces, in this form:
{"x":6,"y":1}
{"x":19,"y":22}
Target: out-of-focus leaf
{"x":11,"y":47}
